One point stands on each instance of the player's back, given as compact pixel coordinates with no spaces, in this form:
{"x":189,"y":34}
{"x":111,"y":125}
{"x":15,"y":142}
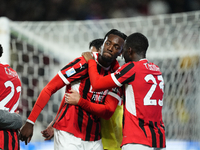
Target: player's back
{"x":148,"y":89}
{"x":143,"y":108}
{"x":10,"y":88}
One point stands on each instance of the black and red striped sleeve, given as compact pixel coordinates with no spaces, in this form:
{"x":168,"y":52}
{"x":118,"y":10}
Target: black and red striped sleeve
{"x":75,"y":70}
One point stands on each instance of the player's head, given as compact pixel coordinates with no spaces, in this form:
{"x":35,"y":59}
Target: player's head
{"x":1,"y":50}
{"x":116,"y":32}
{"x":112,"y":45}
{"x":95,"y":45}
{"x":135,"y":46}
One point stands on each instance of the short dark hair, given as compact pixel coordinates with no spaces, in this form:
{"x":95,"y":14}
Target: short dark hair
{"x":96,"y":43}
{"x":138,"y":42}
{"x":116,"y":32}
{"x":1,"y":50}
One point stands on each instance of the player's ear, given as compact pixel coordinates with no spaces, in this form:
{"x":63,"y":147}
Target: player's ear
{"x":130,"y":50}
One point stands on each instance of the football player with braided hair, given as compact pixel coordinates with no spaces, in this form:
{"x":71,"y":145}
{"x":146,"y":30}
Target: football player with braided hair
{"x":75,"y":128}
{"x":111,"y":129}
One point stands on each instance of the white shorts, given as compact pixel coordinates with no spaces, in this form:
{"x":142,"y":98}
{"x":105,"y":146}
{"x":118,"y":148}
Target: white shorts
{"x":139,"y":147}
{"x":66,"y":141}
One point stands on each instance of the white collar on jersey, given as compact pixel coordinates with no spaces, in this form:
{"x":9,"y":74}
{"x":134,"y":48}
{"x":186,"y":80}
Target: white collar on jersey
{"x":142,"y":59}
{"x":4,"y":63}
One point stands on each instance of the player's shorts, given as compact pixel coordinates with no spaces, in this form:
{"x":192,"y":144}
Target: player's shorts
{"x":67,"y":141}
{"x":139,"y":147}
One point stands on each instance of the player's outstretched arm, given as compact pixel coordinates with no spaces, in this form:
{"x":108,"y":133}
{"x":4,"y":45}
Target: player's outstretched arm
{"x":10,"y":120}
{"x":105,"y":110}
{"x":26,"y":132}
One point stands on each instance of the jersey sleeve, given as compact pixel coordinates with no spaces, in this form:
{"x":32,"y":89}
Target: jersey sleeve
{"x":98,"y":81}
{"x":105,"y":110}
{"x":10,"y":120}
{"x":124,"y":75}
{"x":75,"y":70}
{"x":54,"y":85}
{"x":121,"y":76}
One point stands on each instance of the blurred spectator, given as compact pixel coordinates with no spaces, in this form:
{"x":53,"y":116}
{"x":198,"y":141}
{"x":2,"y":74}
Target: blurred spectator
{"x":157,"y":7}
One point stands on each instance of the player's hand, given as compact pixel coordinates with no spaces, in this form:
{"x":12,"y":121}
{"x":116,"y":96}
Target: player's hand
{"x":72,"y":97}
{"x":26,"y":132}
{"x":87,"y":56}
{"x":48,"y":133}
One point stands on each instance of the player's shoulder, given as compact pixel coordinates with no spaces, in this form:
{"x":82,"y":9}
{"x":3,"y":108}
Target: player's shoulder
{"x":151,"y":67}
{"x":129,"y":64}
{"x":4,"y":65}
{"x":77,"y":60}
{"x":77,"y":65}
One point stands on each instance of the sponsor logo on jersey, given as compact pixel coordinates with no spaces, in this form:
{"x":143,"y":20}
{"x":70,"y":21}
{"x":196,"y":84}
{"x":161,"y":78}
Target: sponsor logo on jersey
{"x":70,"y":72}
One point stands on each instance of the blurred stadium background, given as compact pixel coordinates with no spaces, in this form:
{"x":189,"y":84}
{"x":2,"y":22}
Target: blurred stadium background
{"x":54,"y":10}
{"x":39,"y":37}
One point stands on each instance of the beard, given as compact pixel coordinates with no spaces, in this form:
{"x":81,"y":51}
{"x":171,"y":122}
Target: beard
{"x":107,"y":59}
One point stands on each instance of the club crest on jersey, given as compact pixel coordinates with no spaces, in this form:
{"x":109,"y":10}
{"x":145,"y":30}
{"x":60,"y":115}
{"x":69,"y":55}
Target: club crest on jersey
{"x":70,"y":72}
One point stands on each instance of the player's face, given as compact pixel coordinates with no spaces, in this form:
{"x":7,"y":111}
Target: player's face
{"x":112,"y":47}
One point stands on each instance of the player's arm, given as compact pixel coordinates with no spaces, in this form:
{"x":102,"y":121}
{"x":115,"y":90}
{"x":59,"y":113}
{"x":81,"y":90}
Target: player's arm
{"x":27,"y":130}
{"x":123,"y":75}
{"x":105,"y":110}
{"x":54,"y":85}
{"x":48,"y":133}
{"x":98,"y":82}
{"x":10,"y":120}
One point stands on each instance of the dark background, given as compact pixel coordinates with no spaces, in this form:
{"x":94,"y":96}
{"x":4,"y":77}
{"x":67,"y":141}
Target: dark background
{"x":54,"y":10}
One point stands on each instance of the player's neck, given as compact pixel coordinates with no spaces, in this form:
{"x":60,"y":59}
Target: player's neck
{"x":104,"y":63}
{"x":137,"y":57}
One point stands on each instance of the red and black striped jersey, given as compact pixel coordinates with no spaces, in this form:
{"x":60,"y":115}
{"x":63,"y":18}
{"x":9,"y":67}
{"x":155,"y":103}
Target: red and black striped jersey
{"x":9,"y":140}
{"x":144,"y":87}
{"x":10,"y":88}
{"x":70,"y":118}
{"x":74,"y":119}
